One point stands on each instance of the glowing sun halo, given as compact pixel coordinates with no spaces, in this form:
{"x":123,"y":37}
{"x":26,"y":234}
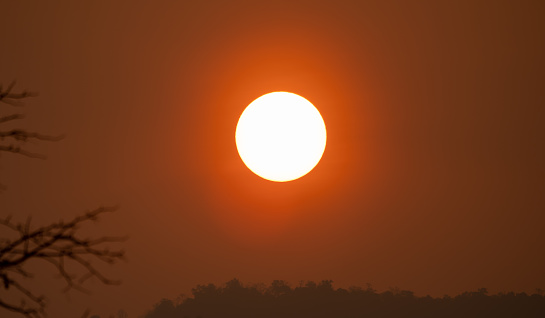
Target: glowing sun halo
{"x":280,"y":136}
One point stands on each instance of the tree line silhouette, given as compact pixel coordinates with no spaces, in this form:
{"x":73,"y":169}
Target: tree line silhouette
{"x":311,"y":299}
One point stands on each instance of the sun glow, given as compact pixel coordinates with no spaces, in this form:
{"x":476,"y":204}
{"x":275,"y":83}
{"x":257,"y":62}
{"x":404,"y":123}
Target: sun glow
{"x":280,"y":136}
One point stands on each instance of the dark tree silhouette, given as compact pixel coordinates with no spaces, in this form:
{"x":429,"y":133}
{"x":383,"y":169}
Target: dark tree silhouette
{"x":321,"y":300}
{"x":59,"y":244}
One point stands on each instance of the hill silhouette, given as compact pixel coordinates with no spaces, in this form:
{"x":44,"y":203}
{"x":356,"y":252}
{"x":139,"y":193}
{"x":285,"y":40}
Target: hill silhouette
{"x":322,"y":300}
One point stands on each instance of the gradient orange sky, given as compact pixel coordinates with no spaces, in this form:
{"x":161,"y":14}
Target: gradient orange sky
{"x":432,"y":179}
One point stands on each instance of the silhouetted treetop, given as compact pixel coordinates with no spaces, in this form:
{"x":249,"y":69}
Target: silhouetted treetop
{"x":311,"y":299}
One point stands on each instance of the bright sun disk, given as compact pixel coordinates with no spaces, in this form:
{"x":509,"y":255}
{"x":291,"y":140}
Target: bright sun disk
{"x":280,"y":136}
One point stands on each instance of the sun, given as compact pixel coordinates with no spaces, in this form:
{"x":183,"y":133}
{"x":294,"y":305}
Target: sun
{"x":280,"y":136}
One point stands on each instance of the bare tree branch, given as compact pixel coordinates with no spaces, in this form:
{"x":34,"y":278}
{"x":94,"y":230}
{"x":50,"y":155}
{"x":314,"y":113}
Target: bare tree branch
{"x":19,"y":135}
{"x":13,"y":98}
{"x":17,"y":149}
{"x":23,"y":135}
{"x":27,"y":312}
{"x":11,"y":117}
{"x":57,"y":244}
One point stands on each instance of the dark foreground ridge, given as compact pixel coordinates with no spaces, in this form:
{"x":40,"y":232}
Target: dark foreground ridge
{"x":279,"y":300}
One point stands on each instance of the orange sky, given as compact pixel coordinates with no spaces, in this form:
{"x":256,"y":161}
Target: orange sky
{"x":432,"y":179}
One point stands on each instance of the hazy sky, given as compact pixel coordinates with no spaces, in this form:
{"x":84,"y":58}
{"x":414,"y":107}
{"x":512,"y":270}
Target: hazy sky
{"x":433,"y":178}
